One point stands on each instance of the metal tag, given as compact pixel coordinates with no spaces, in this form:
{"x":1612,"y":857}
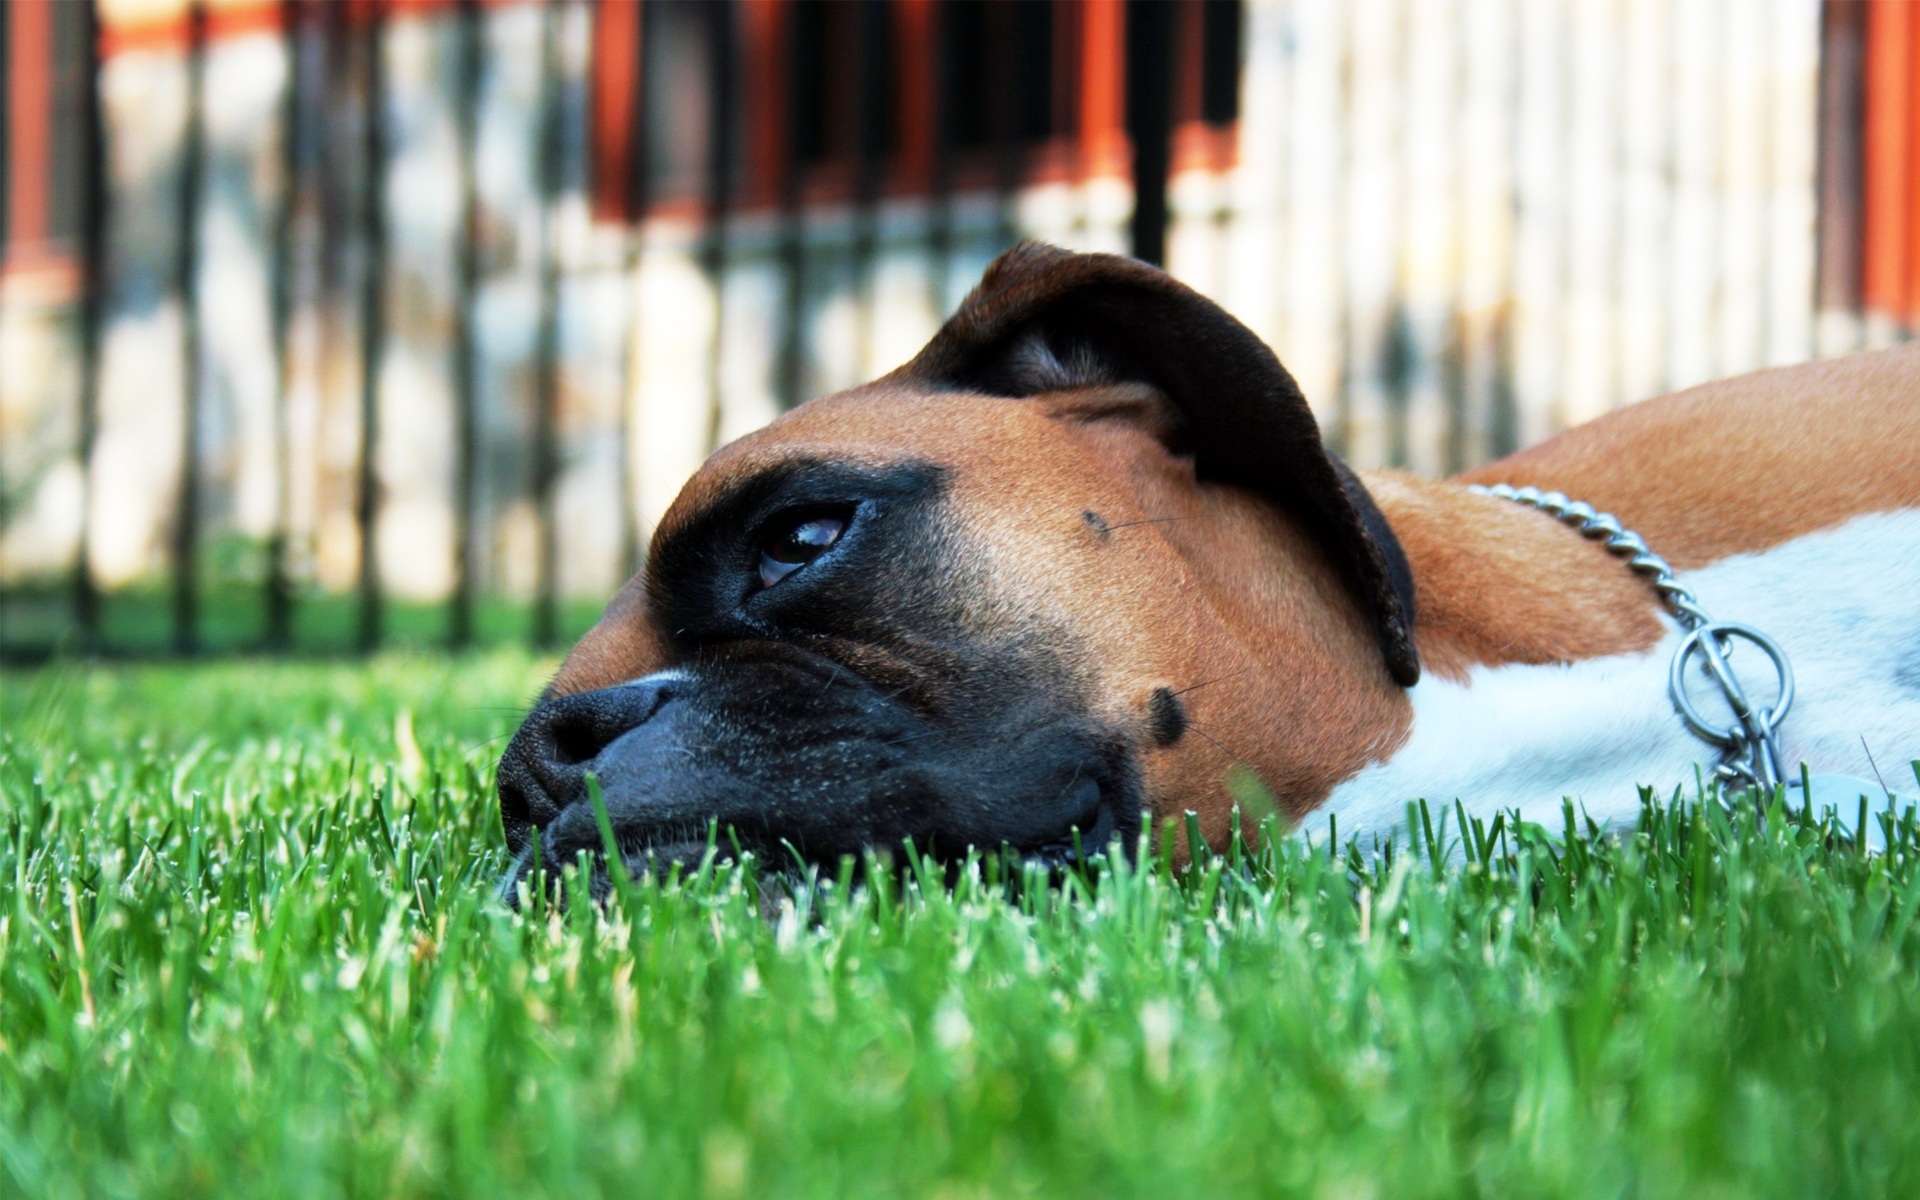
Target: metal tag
{"x":1842,"y":794}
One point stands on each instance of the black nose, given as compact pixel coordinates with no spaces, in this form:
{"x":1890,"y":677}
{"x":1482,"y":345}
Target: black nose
{"x":545,"y":765}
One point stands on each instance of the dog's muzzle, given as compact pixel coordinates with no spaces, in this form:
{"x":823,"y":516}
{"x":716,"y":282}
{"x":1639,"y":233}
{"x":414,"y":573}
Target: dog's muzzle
{"x":798,"y":762}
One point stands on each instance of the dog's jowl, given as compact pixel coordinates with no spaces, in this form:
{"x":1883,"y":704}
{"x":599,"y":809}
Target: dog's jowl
{"x":1087,"y":553}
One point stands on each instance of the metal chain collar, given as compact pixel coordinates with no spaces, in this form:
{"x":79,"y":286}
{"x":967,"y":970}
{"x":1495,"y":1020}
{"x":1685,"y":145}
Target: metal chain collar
{"x":1750,"y":748}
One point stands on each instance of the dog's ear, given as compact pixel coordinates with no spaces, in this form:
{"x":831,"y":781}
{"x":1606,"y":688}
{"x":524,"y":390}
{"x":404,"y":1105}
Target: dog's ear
{"x":1046,"y":320}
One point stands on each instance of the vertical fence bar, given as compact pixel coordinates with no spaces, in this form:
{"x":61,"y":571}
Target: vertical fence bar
{"x":1539,"y":200}
{"x":335,"y":150}
{"x":1789,"y":225}
{"x":1312,"y":269}
{"x":1641,"y":244}
{"x":1486,"y":189}
{"x":186,"y":529}
{"x":372,"y":323}
{"x":1150,"y":36}
{"x":93,"y":280}
{"x":1429,"y":259}
{"x":1840,"y":174}
{"x":1589,"y":337}
{"x":869,"y":114}
{"x":546,"y":346}
{"x":277,"y":594}
{"x":1887,"y":151}
{"x":466,"y":274}
{"x":940,"y":201}
{"x":1000,"y":30}
{"x":1693,"y":262}
{"x":634,"y":211}
{"x":1370,"y":225}
{"x":793,"y":251}
{"x":721,"y":108}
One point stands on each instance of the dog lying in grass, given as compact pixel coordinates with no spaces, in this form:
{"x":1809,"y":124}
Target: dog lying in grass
{"x":1085,"y":556}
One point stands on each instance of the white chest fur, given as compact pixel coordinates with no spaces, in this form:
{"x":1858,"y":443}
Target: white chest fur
{"x":1844,"y":604}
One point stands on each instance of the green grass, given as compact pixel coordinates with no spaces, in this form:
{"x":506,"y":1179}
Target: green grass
{"x":248,"y":947}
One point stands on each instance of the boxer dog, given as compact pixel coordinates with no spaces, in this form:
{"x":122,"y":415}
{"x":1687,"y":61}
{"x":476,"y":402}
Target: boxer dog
{"x":1086,"y":555}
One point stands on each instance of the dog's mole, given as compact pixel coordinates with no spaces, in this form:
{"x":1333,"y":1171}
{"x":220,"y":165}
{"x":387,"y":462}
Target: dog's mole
{"x":1095,"y":523}
{"x":1167,"y":716}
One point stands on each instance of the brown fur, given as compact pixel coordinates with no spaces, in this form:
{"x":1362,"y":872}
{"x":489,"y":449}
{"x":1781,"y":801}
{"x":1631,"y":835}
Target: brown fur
{"x":1742,"y":464}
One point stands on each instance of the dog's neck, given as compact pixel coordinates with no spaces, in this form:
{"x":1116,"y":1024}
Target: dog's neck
{"x":1500,"y":584}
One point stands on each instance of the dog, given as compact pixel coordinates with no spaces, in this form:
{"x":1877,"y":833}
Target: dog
{"x":1086,"y":556}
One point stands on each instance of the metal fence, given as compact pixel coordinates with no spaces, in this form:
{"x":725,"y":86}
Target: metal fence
{"x":332,"y":325}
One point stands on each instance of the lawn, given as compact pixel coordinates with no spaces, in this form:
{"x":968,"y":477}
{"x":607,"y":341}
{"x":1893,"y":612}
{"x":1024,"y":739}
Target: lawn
{"x":249,"y":946}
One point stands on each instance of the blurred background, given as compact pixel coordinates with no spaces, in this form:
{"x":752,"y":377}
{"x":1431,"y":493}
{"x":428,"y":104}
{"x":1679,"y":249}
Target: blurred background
{"x":329,"y":325}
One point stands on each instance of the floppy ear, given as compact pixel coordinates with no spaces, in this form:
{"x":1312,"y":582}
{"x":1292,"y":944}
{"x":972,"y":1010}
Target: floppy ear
{"x":1045,"y":319}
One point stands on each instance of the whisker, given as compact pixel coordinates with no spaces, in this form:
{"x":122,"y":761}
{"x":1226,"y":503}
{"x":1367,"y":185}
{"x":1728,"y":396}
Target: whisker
{"x":1146,"y":521}
{"x":1207,"y":682}
{"x":1217,"y":743}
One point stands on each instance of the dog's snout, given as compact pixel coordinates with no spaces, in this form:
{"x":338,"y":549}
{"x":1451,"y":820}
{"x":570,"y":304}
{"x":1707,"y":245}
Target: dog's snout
{"x":545,"y":765}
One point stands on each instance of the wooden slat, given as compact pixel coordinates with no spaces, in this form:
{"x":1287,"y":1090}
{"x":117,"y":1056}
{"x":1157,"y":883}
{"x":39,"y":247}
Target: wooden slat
{"x":186,"y":516}
{"x":1315,"y":193}
{"x":466,"y":279}
{"x":1889,"y":149}
{"x":1106,"y":197}
{"x":1485,"y":186}
{"x":93,"y":258}
{"x":1252,"y":272}
{"x":29,"y":117}
{"x":1793,"y":86}
{"x":722,"y":136}
{"x":1841,"y":173}
{"x":1152,"y":36}
{"x":674,"y":316}
{"x":1589,"y":344}
{"x":543,"y":628}
{"x":1745,"y":123}
{"x":373,"y":323}
{"x":613,"y":114}
{"x":277,"y":591}
{"x":1539,"y":197}
{"x":1429,"y":266}
{"x":870,"y":35}
{"x":1694,"y":253}
{"x":1370,"y":242}
{"x":1646,"y":75}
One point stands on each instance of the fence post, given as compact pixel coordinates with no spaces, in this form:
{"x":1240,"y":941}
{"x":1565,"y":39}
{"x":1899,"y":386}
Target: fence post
{"x":186,"y":530}
{"x":86,"y":592}
{"x":277,"y":593}
{"x":1840,"y":174}
{"x":1150,"y":36}
{"x":869,"y":119}
{"x":546,"y":348}
{"x":372,"y":324}
{"x":793,"y":250}
{"x":466,"y":450}
{"x":633,"y":212}
{"x":720,"y":141}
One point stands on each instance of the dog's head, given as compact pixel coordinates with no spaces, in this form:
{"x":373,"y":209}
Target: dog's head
{"x":1071,"y":564}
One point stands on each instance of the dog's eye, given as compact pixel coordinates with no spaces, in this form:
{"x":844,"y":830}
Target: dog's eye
{"x":794,"y":546}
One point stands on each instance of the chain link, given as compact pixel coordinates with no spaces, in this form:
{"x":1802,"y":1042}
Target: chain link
{"x":1750,"y":748}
